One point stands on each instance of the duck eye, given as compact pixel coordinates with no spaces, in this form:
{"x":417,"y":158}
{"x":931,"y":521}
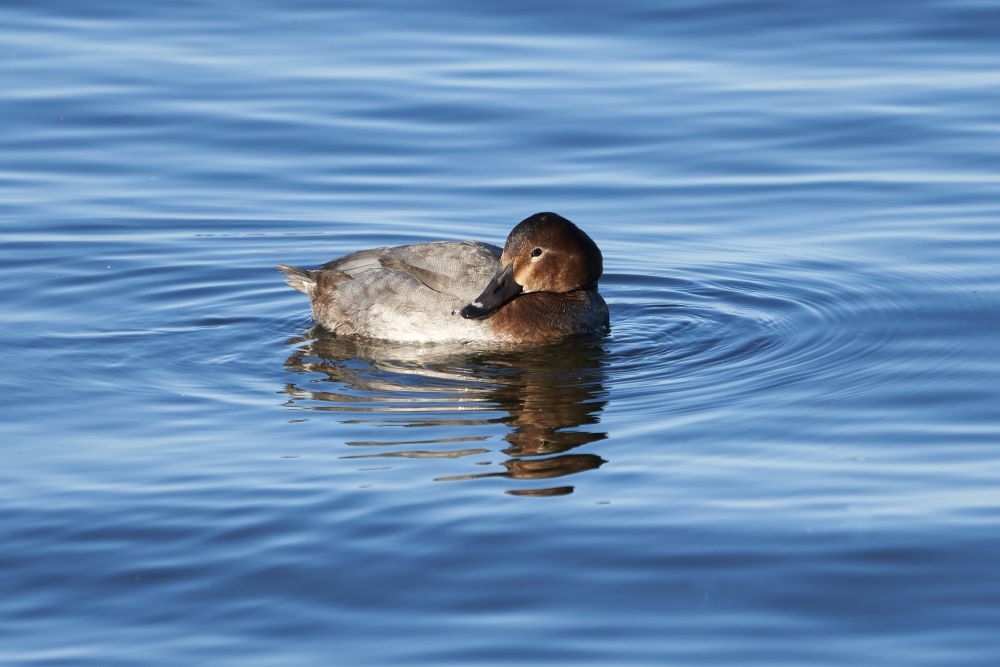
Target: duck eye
{"x":536,"y":252}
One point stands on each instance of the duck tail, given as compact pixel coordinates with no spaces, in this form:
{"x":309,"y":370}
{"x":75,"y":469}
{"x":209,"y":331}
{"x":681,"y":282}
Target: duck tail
{"x":300,"y":279}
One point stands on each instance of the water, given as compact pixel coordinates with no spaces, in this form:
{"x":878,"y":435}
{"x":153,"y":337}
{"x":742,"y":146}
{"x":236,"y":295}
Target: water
{"x":786,"y":452}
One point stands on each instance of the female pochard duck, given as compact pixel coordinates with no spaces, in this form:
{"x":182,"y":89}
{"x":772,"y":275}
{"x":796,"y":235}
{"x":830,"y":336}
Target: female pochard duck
{"x":542,"y":286}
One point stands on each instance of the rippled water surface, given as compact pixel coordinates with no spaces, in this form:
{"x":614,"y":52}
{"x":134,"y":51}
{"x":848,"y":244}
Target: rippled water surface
{"x":786,"y":452}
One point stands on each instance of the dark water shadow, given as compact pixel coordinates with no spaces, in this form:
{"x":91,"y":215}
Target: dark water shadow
{"x":542,"y":402}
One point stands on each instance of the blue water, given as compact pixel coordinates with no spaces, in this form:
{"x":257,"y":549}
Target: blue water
{"x":787,"y":451}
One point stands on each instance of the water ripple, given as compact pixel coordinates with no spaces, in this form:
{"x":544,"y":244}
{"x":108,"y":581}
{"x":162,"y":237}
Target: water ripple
{"x":709,"y":341}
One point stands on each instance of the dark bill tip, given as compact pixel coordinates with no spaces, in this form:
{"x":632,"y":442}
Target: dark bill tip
{"x":473,"y":311}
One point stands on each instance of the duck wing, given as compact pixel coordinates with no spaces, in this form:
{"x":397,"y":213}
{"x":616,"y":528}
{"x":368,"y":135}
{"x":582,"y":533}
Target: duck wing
{"x":454,"y":268}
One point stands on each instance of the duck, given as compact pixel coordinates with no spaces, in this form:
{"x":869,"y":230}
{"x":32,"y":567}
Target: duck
{"x":540,"y":287}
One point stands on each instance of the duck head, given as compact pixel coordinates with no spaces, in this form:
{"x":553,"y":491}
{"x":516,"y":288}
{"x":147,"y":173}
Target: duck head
{"x":543,"y":253}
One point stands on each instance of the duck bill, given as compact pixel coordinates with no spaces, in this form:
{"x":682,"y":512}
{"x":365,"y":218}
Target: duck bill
{"x":500,"y":290}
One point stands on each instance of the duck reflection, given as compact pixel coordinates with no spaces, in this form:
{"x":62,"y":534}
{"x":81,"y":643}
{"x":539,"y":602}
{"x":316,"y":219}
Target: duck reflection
{"x":538,"y":401}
